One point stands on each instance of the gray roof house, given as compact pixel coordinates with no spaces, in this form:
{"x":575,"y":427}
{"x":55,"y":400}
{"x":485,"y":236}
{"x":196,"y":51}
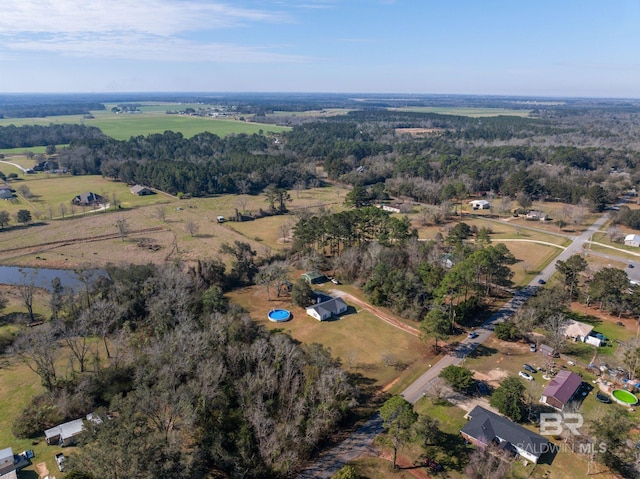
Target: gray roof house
{"x":485,"y":427}
{"x":5,"y":192}
{"x":87,"y":199}
{"x":141,"y":190}
{"x":327,"y":309}
{"x":7,"y":464}
{"x":66,"y":434}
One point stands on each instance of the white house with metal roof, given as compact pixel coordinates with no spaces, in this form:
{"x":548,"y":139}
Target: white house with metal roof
{"x":632,"y":240}
{"x":327,"y":309}
{"x":66,"y":434}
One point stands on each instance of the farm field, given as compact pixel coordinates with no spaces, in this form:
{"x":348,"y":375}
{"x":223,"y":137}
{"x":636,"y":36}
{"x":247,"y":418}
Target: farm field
{"x":472,"y":112}
{"x":91,"y":237}
{"x":151,"y":119}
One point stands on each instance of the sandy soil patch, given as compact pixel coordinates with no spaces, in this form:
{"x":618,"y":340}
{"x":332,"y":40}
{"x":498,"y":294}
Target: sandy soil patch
{"x":41,"y":467}
{"x":419,"y":131}
{"x":493,"y":377}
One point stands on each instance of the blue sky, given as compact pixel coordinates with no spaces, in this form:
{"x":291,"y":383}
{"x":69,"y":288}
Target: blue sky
{"x":538,"y":48}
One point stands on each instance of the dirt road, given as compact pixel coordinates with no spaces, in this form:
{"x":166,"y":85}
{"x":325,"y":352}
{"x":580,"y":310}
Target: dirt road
{"x":396,"y":323}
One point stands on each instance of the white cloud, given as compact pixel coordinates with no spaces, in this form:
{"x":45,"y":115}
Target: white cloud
{"x":146,"y":47}
{"x":159,"y":17}
{"x":156,"y":30}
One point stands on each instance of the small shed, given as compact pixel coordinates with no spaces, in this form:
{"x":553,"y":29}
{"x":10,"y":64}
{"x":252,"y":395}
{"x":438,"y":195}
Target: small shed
{"x":314,"y":277}
{"x":547,"y":350}
{"x":64,"y":434}
{"x":327,"y":309}
{"x":632,"y":240}
{"x":480,"y":204}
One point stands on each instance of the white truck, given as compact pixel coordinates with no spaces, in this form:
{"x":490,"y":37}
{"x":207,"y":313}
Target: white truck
{"x":60,"y":461}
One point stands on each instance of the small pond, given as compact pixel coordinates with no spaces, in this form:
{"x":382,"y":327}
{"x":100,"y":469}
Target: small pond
{"x":42,"y":277}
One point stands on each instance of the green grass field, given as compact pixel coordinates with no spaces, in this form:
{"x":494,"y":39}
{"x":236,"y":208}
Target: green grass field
{"x":151,"y":119}
{"x":51,"y":191}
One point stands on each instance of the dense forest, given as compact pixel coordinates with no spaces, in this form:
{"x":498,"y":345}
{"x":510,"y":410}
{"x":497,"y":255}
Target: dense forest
{"x":576,"y":156}
{"x":184,"y":385}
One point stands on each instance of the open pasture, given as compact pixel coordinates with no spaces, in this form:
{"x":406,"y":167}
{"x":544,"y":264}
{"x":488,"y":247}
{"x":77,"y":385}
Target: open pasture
{"x":52,"y":194}
{"x":92,"y":237}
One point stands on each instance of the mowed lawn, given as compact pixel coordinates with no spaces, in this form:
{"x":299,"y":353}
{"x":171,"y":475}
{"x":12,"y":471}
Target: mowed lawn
{"x":52,"y":194}
{"x":365,"y":344}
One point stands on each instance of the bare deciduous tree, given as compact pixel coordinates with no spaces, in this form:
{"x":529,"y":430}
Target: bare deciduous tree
{"x":123,"y":227}
{"x":161,"y":213}
{"x":37,"y":348}
{"x":191,"y":228}
{"x":26,"y":290}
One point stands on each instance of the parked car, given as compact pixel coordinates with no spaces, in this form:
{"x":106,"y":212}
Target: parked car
{"x":473,"y":335}
{"x":630,"y":265}
{"x":542,"y":281}
{"x":60,"y":461}
{"x":532,"y":348}
{"x":529,"y":368}
{"x":526,"y":376}
{"x":482,"y":388}
{"x":335,"y":281}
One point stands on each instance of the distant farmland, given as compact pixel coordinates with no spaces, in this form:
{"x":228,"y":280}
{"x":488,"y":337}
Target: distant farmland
{"x":152,"y":119}
{"x":472,"y":112}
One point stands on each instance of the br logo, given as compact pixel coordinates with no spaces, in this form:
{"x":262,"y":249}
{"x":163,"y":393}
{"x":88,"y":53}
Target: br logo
{"x":553,"y":424}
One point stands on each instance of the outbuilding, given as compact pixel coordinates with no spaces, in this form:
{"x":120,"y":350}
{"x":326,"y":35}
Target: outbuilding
{"x":314,"y":277}
{"x":480,"y":204}
{"x":632,"y":240}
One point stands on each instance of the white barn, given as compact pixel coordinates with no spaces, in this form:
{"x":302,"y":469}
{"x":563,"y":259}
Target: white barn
{"x":632,"y":240}
{"x":327,"y":309}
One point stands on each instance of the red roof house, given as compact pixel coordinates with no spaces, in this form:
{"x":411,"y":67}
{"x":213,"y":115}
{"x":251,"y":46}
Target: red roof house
{"x":561,"y":389}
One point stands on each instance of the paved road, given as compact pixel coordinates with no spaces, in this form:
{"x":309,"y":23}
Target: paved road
{"x":360,"y":441}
